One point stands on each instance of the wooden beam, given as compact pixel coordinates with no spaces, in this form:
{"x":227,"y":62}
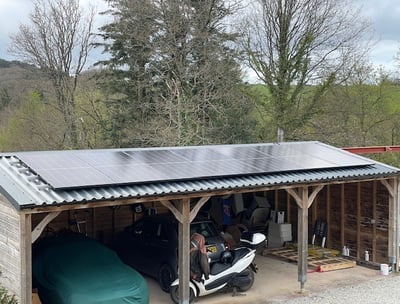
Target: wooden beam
{"x":194,"y":195}
{"x":40,"y":227}
{"x":372,"y":149}
{"x":197,"y":207}
{"x":173,"y":209}
{"x":300,"y":200}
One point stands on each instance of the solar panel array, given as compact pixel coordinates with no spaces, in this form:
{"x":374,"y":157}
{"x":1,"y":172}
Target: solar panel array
{"x":91,"y":168}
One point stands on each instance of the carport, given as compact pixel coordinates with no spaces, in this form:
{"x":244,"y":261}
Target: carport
{"x":48,"y":183}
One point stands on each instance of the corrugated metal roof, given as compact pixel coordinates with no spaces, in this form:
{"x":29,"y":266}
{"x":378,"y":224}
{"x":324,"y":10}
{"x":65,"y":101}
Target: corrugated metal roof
{"x":24,"y":189}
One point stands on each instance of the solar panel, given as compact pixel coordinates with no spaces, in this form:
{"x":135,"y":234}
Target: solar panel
{"x":95,"y":168}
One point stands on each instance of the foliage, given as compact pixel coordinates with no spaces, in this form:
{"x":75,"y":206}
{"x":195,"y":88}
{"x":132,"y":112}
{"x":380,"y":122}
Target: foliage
{"x":173,"y":77}
{"x":291,"y":44}
{"x":6,"y":298}
{"x":58,"y":40}
{"x":390,"y":158}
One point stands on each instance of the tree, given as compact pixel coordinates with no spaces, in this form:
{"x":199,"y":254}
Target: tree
{"x":176,"y":78}
{"x":356,"y":112}
{"x":292,"y":44}
{"x":58,"y":41}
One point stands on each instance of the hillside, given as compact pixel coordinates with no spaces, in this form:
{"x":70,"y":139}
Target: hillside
{"x":17,"y":80}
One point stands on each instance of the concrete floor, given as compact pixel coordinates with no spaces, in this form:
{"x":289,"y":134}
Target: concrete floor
{"x":276,"y":281}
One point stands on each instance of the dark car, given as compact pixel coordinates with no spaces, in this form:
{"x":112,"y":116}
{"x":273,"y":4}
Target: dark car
{"x":150,"y":245}
{"x":73,"y":268}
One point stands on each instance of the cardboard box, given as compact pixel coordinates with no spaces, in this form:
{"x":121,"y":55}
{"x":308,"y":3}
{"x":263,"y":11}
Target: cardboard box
{"x":280,"y":217}
{"x":35,"y":297}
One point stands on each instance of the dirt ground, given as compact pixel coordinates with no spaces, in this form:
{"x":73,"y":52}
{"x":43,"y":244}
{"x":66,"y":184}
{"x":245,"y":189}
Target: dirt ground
{"x":275,"y":282}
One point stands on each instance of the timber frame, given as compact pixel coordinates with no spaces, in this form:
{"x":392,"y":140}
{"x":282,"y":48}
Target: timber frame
{"x":304,"y":195}
{"x":360,"y":204}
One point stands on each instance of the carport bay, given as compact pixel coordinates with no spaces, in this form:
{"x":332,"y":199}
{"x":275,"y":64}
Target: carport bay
{"x":30,"y":206}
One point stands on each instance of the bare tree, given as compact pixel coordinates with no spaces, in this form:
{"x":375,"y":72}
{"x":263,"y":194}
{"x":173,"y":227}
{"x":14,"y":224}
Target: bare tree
{"x":58,"y":40}
{"x":291,"y":44}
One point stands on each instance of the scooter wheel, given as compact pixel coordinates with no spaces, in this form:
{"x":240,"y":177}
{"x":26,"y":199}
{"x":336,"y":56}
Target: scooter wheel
{"x":174,"y":291}
{"x":251,"y":277}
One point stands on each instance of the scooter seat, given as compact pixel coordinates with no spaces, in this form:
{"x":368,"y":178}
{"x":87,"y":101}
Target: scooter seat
{"x":237,"y":254}
{"x":218,"y":267}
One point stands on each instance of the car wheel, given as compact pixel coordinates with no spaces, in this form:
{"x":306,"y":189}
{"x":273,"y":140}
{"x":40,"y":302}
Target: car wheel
{"x":165,"y":277}
{"x":175,"y":294}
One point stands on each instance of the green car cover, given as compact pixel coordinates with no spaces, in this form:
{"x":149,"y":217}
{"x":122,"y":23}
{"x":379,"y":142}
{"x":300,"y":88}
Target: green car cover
{"x":75,"y":269}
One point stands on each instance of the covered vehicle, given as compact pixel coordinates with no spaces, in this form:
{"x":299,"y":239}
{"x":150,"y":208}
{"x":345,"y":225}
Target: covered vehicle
{"x":72,"y":268}
{"x":150,"y":245}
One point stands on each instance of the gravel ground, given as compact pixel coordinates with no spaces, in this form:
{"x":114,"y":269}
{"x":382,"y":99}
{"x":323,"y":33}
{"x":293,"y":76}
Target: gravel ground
{"x":381,"y":291}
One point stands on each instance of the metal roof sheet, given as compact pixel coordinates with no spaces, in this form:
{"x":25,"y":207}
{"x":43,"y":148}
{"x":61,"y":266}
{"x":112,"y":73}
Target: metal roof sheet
{"x":24,"y":189}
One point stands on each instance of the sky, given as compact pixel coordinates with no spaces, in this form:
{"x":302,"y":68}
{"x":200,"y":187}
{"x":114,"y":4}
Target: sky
{"x":383,"y":14}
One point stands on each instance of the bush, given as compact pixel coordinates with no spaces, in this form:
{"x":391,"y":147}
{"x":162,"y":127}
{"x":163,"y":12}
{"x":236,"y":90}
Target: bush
{"x":5,"y":298}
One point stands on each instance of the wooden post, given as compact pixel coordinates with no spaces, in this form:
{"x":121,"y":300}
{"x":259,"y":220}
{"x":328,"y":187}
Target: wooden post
{"x":184,"y":216}
{"x":342,"y":216}
{"x":304,"y":202}
{"x":397,"y":223}
{"x":26,"y":258}
{"x":302,"y":219}
{"x":393,"y":242}
{"x":374,"y":217}
{"x":184,"y":252}
{"x":328,"y":216}
{"x":359,"y":255}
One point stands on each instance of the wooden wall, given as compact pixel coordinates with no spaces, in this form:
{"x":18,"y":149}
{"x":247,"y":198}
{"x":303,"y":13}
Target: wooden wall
{"x":10,"y":255}
{"x":357,"y":215}
{"x":100,"y":223}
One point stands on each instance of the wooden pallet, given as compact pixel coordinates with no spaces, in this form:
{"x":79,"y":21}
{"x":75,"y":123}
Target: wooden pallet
{"x":318,"y":263}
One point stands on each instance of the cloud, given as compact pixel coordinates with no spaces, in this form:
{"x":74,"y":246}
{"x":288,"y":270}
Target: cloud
{"x":12,"y":14}
{"x":385,"y":16}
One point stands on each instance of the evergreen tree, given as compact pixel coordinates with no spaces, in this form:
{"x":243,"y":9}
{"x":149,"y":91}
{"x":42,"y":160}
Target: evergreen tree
{"x":173,"y":77}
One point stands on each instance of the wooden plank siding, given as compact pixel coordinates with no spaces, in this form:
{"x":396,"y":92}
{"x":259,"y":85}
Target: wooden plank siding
{"x":349,"y":209}
{"x":357,"y":214}
{"x":10,"y":257}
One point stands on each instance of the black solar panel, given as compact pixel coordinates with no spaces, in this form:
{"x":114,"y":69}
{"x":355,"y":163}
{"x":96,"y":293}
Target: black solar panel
{"x":92,"y":168}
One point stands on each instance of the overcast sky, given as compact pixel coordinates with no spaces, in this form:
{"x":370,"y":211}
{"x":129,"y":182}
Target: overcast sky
{"x":384,"y":14}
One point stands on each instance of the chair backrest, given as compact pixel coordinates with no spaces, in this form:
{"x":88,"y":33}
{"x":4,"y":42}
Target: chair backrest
{"x":259,"y":216}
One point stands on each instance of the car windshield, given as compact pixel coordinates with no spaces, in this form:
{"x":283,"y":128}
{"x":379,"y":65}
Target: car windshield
{"x":207,"y":229}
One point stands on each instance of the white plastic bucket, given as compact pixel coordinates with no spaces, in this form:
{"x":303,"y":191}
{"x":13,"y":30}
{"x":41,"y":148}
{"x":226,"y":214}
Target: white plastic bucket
{"x":384,"y":269}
